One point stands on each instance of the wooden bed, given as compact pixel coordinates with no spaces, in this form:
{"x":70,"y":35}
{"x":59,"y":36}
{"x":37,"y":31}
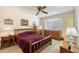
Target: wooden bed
{"x":36,"y":46}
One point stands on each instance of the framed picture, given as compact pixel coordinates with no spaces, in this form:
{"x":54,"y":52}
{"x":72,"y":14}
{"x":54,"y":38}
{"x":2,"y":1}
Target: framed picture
{"x":8,"y":21}
{"x":24,"y":22}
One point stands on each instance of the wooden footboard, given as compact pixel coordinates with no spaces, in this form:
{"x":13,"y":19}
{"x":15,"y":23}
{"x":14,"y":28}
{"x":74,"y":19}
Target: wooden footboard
{"x":40,"y":45}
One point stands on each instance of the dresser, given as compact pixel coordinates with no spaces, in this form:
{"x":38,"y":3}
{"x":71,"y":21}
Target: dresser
{"x":55,"y":34}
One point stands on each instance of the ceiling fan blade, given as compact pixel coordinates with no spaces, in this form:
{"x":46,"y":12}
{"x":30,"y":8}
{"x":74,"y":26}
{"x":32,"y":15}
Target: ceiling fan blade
{"x":45,"y":12}
{"x":37,"y":13}
{"x":43,"y":7}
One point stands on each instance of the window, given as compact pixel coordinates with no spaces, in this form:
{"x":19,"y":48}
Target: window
{"x":54,"y":24}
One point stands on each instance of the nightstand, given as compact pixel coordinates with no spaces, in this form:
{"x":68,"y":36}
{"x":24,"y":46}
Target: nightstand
{"x":6,"y":41}
{"x":11,"y":39}
{"x":64,"y":48}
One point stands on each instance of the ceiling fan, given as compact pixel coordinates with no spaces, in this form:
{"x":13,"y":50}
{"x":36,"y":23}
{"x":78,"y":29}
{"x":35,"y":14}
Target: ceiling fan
{"x":41,"y":9}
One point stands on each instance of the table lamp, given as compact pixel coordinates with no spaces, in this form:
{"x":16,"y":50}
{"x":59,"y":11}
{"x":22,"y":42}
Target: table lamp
{"x":71,"y":32}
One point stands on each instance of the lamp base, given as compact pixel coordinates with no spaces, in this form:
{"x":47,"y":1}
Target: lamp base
{"x":69,"y":47}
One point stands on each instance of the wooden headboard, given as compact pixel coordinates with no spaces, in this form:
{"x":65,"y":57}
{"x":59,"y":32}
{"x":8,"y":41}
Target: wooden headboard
{"x":18,"y":31}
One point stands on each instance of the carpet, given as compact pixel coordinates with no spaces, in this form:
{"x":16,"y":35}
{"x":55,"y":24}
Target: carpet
{"x":54,"y":48}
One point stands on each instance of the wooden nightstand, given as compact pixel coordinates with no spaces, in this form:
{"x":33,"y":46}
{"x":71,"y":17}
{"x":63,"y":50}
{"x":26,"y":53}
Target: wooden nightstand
{"x":64,"y":48}
{"x":35,"y":29}
{"x":11,"y":39}
{"x":6,"y":41}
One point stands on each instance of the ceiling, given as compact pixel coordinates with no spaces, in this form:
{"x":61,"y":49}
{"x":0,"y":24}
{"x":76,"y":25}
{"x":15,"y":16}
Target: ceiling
{"x":52,"y":10}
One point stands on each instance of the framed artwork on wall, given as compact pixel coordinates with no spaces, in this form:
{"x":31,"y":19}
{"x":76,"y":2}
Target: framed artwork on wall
{"x":8,"y":21}
{"x":24,"y":22}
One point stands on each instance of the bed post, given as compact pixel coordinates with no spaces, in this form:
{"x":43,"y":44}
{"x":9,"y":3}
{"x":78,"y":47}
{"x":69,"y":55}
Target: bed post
{"x":30,"y":47}
{"x":14,"y":38}
{"x":50,"y":40}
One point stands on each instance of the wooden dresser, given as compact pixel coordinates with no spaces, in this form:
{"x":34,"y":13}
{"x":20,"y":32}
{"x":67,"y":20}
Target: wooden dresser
{"x":55,"y":34}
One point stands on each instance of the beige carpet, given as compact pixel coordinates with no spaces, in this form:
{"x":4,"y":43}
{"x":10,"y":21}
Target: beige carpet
{"x":54,"y":48}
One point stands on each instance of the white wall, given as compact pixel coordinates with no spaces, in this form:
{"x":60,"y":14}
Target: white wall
{"x":77,"y":22}
{"x":16,"y":14}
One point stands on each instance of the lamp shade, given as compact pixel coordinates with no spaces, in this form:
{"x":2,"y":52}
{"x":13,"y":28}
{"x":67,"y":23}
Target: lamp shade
{"x":71,"y":31}
{"x":34,"y":23}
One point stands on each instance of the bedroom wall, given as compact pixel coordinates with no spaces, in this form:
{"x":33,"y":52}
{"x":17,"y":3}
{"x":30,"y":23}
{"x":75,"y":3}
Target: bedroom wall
{"x":76,"y":23}
{"x":16,"y":13}
{"x":66,"y":17}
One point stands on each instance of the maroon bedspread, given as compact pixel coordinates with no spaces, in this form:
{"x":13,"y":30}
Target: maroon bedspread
{"x":23,"y":39}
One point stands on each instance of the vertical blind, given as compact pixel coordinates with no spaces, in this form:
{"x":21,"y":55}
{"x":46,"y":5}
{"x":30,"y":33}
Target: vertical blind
{"x":54,"y":24}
